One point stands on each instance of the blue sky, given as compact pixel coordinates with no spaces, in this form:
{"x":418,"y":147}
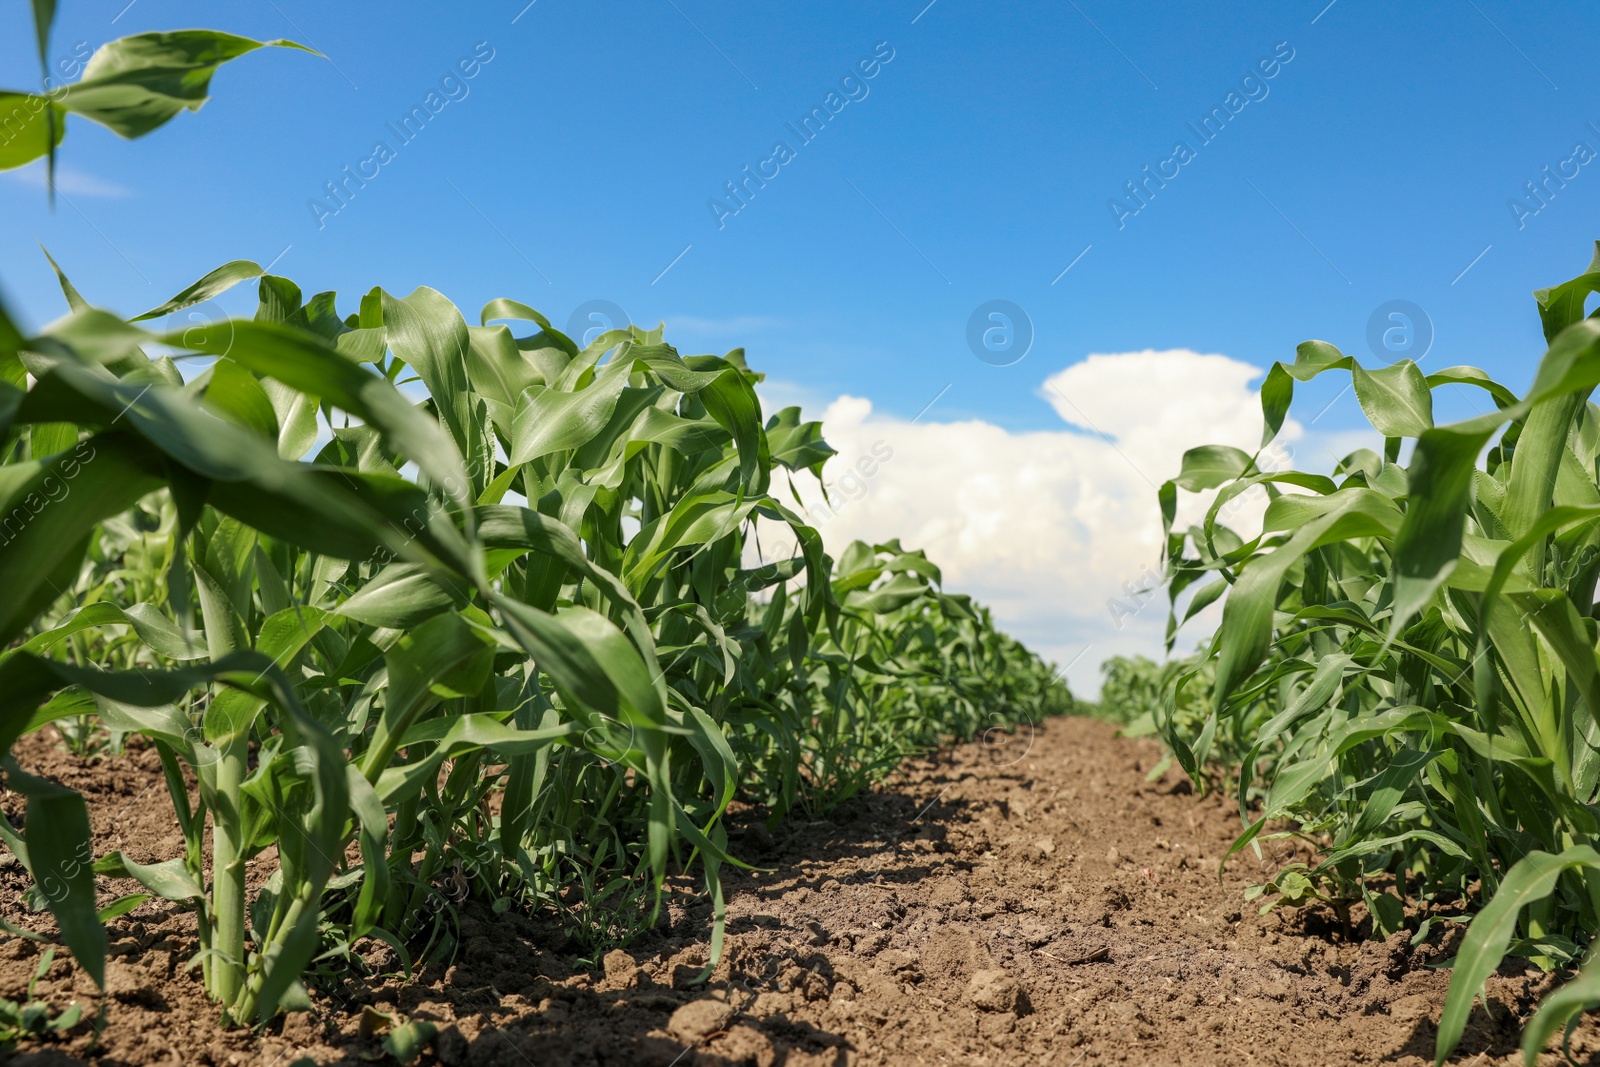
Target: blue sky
{"x":579,"y":164}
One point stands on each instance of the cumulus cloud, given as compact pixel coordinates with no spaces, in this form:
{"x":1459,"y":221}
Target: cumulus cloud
{"x":1049,"y":527}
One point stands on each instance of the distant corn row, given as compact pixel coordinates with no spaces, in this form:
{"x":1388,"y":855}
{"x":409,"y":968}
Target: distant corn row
{"x":1407,"y":663}
{"x":437,"y":610}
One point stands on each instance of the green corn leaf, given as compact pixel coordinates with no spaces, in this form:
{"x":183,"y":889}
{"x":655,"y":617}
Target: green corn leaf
{"x":1562,"y":305}
{"x":1503,"y":397}
{"x":75,"y":300}
{"x":795,"y":444}
{"x":403,"y":595}
{"x":135,"y":84}
{"x":119,"y":907}
{"x":441,"y":658}
{"x":1209,"y":466}
{"x":1248,"y":611}
{"x":297,"y":418}
{"x":503,"y":308}
{"x":427,"y":331}
{"x":1395,"y":399}
{"x":234,"y":393}
{"x":1558,"y":1010}
{"x":212,"y":285}
{"x":458,"y":736}
{"x":509,"y":528}
{"x":372,"y":835}
{"x":169,"y":880}
{"x":1385,"y":789}
{"x":731,"y":400}
{"x":37,"y":132}
{"x":550,"y":421}
{"x":309,"y":365}
{"x":1429,"y":542}
{"x":50,"y":515}
{"x":318,"y":802}
{"x":407,"y":1042}
{"x":696,"y":520}
{"x":153,"y":628}
{"x":60,"y":858}
{"x":1277,"y":394}
{"x":1488,"y":937}
{"x":44,"y":16}
{"x":498,"y":371}
{"x":591,"y":661}
{"x":28,"y":680}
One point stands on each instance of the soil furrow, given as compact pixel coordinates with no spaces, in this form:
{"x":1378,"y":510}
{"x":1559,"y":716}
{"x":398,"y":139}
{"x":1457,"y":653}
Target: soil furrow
{"x":1030,"y":899}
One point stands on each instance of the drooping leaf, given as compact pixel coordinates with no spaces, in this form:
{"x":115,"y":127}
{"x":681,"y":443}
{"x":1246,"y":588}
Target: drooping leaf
{"x":135,"y":84}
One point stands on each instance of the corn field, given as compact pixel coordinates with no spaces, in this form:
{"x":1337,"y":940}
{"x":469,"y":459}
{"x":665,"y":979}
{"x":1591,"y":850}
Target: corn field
{"x":420,"y":603}
{"x":417,"y":611}
{"x":1407,"y":658}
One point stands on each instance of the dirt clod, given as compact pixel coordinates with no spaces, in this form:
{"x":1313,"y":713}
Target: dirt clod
{"x":621,"y":970}
{"x":698,"y":1020}
{"x":742,"y":1044}
{"x":994,"y":990}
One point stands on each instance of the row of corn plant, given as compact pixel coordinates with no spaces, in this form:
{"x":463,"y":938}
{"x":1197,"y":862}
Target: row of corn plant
{"x":1133,"y":694}
{"x":1407,"y":657}
{"x":430,"y":610}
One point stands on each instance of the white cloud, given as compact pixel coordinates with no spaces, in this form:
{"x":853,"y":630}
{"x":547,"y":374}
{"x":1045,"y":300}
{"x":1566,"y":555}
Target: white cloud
{"x":69,"y":181}
{"x":1046,"y":527}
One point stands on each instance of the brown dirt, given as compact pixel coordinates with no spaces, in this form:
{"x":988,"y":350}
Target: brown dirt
{"x":1032,"y":902}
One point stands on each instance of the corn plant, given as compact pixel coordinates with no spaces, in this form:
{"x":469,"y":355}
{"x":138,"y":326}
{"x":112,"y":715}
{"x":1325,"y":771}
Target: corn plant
{"x":32,"y":1018}
{"x":362,"y":576}
{"x":1407,"y":655}
{"x":1133,"y":693}
{"x":906,"y":667}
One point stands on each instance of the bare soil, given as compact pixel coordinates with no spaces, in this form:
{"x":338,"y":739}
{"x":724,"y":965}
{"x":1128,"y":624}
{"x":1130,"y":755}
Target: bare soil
{"x":1026,"y":900}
